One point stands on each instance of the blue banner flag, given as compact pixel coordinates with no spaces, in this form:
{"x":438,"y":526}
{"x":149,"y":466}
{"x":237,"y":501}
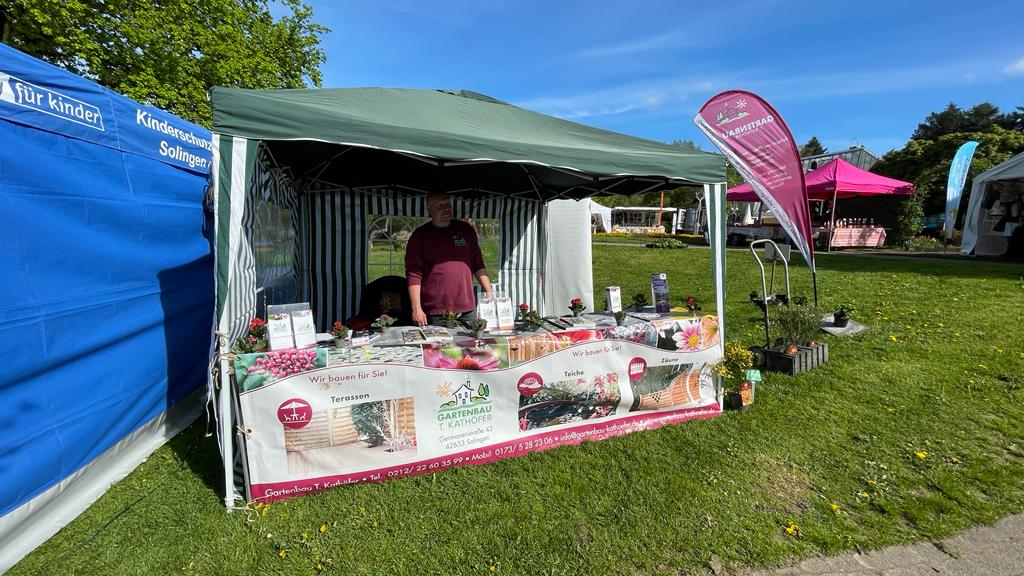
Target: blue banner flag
{"x":955,"y":185}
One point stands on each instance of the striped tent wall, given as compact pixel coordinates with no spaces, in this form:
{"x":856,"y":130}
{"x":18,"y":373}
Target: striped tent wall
{"x":335,"y":224}
{"x":334,"y":230}
{"x":273,"y":184}
{"x":234,"y":165}
{"x":714,"y":199}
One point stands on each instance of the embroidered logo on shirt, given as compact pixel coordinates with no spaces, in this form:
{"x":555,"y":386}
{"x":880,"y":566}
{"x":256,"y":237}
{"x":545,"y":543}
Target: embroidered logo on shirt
{"x":458,"y":240}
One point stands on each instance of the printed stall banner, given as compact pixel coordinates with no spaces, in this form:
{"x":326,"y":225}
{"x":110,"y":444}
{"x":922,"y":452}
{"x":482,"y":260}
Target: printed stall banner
{"x":315,"y":427}
{"x":759,"y":145}
{"x":955,"y":184}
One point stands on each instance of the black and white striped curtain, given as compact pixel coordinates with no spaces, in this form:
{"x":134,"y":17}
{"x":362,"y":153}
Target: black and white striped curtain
{"x":335,"y":236}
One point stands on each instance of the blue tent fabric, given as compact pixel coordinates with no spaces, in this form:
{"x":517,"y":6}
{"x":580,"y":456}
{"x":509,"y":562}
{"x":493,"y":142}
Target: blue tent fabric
{"x":106,"y":272}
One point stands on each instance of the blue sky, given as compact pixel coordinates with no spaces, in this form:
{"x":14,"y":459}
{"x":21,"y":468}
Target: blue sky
{"x":849,"y":73}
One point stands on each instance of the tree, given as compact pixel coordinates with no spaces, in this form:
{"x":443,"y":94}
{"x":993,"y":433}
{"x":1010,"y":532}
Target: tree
{"x":812,"y":148}
{"x":170,"y":53}
{"x":926,"y":162}
{"x":953,"y":120}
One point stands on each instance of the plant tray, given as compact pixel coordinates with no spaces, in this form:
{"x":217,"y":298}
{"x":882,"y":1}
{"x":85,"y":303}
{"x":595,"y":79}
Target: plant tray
{"x":806,"y":358}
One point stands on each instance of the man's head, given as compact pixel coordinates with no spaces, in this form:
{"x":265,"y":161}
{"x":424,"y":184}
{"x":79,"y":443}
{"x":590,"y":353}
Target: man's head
{"x":439,"y":206}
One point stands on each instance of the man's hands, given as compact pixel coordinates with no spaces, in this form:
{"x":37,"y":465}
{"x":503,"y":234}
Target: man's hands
{"x":419,"y":317}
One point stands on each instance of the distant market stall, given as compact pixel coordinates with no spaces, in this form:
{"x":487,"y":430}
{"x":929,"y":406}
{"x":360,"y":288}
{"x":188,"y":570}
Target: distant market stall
{"x":836,"y":180}
{"x":324,"y":162}
{"x":106,"y":291}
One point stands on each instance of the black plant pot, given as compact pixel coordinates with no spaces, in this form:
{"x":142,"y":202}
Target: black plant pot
{"x":733,"y":401}
{"x":840,"y":321}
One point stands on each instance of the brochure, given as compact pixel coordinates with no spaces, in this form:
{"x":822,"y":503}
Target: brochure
{"x":506,"y":313}
{"x":303,"y":328}
{"x":413,"y":336}
{"x":290,"y":326}
{"x":279,"y":330}
{"x":613,"y":297}
{"x":438,"y":334}
{"x":659,"y":293}
{"x":487,"y":309}
{"x":364,"y":337}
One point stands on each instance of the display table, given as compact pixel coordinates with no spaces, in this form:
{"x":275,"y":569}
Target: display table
{"x":324,"y":417}
{"x":858,"y":236}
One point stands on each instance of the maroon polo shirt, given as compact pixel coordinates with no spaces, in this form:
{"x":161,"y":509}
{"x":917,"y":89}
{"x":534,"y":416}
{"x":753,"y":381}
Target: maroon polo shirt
{"x":442,"y":261}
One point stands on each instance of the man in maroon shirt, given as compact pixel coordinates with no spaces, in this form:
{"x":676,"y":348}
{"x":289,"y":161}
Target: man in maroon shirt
{"x":441,"y":259}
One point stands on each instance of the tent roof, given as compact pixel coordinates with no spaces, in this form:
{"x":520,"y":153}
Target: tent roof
{"x":838,"y":176}
{"x":365,"y":137}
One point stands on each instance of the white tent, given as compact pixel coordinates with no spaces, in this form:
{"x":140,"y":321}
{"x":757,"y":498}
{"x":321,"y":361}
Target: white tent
{"x":600,"y":217}
{"x":995,"y":208}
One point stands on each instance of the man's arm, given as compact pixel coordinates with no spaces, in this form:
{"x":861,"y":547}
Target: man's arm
{"x":485,"y":282}
{"x":414,"y":276}
{"x":418,"y":316}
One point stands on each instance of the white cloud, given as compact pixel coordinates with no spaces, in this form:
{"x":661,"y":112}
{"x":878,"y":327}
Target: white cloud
{"x":651,"y":95}
{"x":1015,"y":68}
{"x":676,"y":39}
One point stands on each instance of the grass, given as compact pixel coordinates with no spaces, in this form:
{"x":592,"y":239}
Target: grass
{"x":912,"y":431}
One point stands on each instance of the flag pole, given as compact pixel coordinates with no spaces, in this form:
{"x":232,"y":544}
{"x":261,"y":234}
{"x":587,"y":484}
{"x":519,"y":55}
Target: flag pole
{"x":814,"y":281}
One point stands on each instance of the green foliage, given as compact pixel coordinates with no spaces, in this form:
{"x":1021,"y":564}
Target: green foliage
{"x":795,"y":324}
{"x":169,"y":54}
{"x":666,"y":243}
{"x":909,"y":221}
{"x":734,"y":363}
{"x":953,"y":120}
{"x":812,"y":148}
{"x":923,"y":244}
{"x":367,"y":418}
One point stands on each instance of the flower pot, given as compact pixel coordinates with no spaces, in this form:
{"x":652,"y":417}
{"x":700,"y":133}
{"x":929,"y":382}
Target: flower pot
{"x":734,"y":401}
{"x":840,"y":321}
{"x":339,"y":342}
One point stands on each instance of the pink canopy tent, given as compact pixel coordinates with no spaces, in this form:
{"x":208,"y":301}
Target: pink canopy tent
{"x":837,"y":179}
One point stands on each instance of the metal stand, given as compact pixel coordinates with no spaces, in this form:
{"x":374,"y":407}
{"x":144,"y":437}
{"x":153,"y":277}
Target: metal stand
{"x":776,"y":255}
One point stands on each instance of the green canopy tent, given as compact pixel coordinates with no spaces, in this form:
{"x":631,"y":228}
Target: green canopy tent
{"x":297,"y":172}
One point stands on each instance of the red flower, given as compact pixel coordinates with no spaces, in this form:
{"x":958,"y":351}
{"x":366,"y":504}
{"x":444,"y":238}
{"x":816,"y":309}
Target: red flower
{"x":524,"y":308}
{"x":467,"y":364}
{"x":576,"y":301}
{"x":256,"y":323}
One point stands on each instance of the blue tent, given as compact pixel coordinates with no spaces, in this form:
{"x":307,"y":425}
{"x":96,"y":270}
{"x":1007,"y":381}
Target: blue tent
{"x":106,"y":291}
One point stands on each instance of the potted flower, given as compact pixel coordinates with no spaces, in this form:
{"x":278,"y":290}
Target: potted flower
{"x":451,"y":318}
{"x":521,"y":313}
{"x":478,"y":325}
{"x":842,"y":315}
{"x":577,"y":306}
{"x":620,"y":318}
{"x":340,"y":332}
{"x":533,"y":320}
{"x":796,"y":325}
{"x":692,"y":305}
{"x":732,"y":368}
{"x":255,"y":339}
{"x":639,"y":301}
{"x":382,"y":322}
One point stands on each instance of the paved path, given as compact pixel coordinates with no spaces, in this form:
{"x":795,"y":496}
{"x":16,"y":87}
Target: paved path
{"x":996,"y":550}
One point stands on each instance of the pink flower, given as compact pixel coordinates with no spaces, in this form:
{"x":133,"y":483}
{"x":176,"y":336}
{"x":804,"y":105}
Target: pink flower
{"x":688,"y":338}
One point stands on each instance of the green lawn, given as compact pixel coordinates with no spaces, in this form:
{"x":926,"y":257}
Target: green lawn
{"x":912,"y":431}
